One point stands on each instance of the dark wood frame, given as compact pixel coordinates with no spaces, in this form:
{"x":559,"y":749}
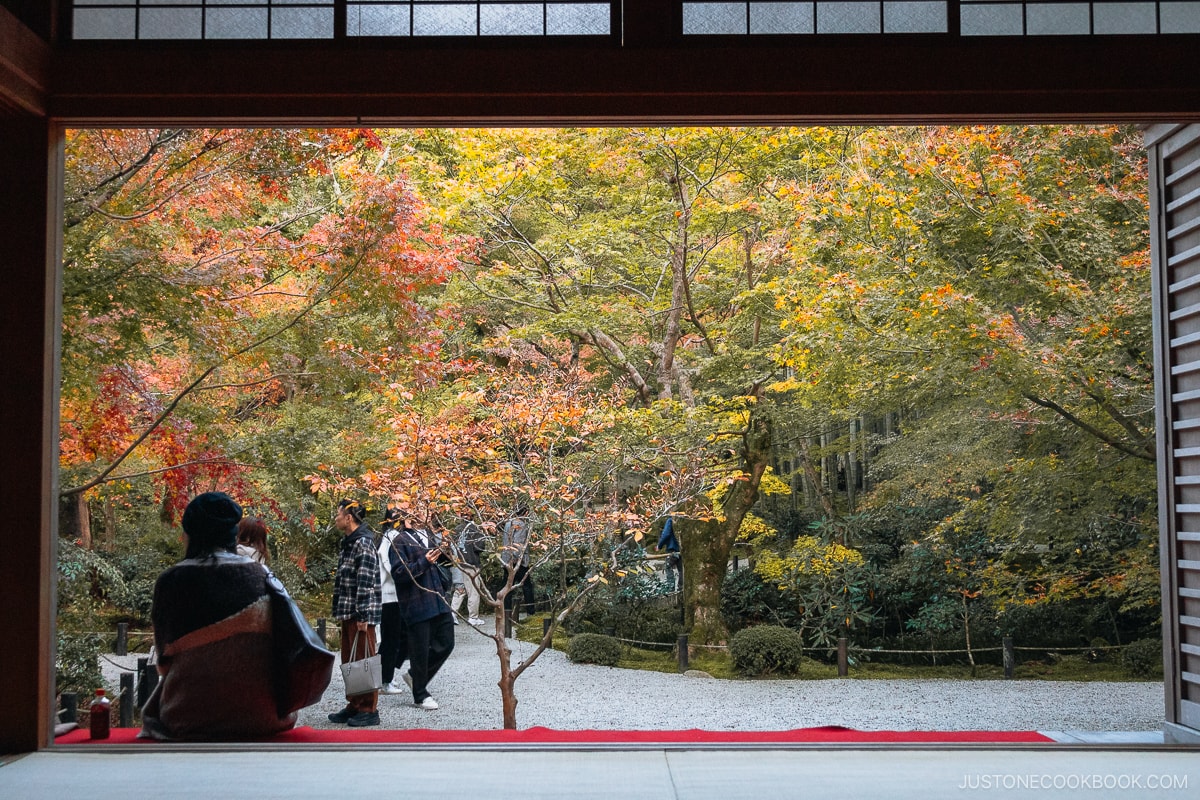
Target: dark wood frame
{"x":644,"y":74}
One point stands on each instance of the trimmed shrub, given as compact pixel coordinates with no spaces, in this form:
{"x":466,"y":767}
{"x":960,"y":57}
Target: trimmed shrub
{"x":594,"y":648}
{"x":1143,"y":658}
{"x":767,"y":650}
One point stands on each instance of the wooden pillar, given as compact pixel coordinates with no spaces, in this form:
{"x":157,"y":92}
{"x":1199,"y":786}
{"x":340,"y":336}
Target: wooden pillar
{"x":30,"y":177}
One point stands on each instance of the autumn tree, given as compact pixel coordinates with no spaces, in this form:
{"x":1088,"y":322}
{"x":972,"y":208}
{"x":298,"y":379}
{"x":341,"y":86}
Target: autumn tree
{"x":643,"y":256}
{"x":991,"y":286}
{"x":491,"y":447}
{"x":220,"y":290}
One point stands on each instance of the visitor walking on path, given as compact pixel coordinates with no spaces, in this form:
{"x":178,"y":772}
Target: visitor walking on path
{"x":422,"y":591}
{"x":469,"y":542}
{"x":357,"y":604}
{"x":515,"y":541}
{"x":393,"y":638}
{"x":668,"y":542}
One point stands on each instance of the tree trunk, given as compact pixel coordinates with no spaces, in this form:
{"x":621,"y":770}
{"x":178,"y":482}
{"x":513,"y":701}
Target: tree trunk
{"x":828,"y":467}
{"x":84,"y":521}
{"x":73,"y":520}
{"x":967,"y":632}
{"x":865,"y":468}
{"x":507,"y":682}
{"x":672,"y":330}
{"x":704,"y":549}
{"x":852,"y":467}
{"x":705,"y":545}
{"x":814,"y":480}
{"x":509,"y":673}
{"x":686,"y":395}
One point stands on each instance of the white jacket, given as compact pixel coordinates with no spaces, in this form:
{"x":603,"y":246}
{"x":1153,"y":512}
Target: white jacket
{"x":386,"y":583}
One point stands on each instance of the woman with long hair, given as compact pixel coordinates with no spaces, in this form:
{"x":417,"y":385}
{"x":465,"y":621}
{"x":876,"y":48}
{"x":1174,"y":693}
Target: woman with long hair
{"x":252,"y":540}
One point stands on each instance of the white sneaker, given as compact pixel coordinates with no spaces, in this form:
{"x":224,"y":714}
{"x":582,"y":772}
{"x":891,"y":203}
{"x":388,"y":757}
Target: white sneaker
{"x":393,"y":688}
{"x":476,"y":621}
{"x":429,"y":704}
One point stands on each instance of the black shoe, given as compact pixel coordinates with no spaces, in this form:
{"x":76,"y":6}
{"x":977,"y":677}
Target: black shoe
{"x":343,"y":716}
{"x":363,"y":719}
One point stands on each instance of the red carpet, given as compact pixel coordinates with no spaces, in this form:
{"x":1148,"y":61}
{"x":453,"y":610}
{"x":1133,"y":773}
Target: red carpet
{"x":534,"y":736}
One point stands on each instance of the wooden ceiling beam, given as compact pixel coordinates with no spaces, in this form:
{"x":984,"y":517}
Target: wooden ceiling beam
{"x":804,"y":80}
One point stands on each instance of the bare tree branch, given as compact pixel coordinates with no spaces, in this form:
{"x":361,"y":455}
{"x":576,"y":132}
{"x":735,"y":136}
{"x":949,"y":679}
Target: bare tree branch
{"x":1142,"y":453}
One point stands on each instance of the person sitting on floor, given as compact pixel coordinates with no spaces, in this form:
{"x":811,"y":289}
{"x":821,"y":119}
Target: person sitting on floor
{"x":212,"y":630}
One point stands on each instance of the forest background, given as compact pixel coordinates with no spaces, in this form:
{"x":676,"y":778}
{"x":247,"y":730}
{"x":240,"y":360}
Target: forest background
{"x":902,"y":377}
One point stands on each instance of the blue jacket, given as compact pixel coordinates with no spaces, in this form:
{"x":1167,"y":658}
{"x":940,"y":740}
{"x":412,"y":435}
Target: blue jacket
{"x":420,"y":590}
{"x":667,"y":540}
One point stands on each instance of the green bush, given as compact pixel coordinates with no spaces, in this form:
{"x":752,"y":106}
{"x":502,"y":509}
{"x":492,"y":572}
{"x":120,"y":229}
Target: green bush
{"x":1143,"y":658}
{"x":628,"y":610}
{"x":77,"y":663}
{"x":767,"y":650}
{"x":747,"y":600}
{"x":594,"y":648}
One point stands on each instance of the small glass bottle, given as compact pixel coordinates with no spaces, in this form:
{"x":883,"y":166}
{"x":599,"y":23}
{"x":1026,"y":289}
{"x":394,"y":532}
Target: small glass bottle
{"x":100,"y":715}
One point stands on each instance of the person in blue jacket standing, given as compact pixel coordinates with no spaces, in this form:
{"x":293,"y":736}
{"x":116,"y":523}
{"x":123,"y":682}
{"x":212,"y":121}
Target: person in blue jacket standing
{"x":668,"y":542}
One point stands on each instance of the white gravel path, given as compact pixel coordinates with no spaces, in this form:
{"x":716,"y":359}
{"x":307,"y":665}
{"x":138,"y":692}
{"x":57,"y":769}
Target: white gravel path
{"x":555,"y":693}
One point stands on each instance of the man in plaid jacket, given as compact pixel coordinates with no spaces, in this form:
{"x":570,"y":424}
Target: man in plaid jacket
{"x":357,"y":604}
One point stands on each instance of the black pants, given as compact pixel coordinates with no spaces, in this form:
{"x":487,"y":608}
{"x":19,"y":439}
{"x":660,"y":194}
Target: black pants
{"x":430,"y":643}
{"x":393,"y":639}
{"x":521,"y":576}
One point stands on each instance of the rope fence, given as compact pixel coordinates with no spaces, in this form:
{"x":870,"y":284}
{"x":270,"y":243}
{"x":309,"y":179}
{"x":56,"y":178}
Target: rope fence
{"x":884,"y":651}
{"x":844,"y":650}
{"x":869,"y":650}
{"x":123,"y":634}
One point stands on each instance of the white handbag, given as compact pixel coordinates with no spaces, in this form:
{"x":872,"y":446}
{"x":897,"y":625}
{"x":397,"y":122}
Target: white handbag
{"x":365,"y":675}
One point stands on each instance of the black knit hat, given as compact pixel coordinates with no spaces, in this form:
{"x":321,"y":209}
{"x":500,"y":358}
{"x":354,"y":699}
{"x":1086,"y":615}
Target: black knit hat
{"x":210,"y":521}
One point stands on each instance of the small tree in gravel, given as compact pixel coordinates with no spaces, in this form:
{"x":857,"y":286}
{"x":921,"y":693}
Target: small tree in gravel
{"x":533,"y":461}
